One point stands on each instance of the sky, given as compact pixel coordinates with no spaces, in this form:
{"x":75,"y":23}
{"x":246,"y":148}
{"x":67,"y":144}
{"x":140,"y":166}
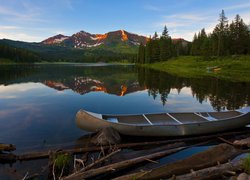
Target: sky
{"x":36,"y":20}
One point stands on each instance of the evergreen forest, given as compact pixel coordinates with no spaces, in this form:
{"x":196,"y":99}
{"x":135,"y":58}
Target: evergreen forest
{"x":226,"y":39}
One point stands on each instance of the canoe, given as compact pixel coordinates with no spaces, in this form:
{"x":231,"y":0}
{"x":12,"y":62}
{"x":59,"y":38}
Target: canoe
{"x":165,"y":124}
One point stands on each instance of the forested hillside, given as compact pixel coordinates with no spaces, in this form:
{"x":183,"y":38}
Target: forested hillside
{"x":18,"y":54}
{"x":18,"y":51}
{"x":226,"y":39}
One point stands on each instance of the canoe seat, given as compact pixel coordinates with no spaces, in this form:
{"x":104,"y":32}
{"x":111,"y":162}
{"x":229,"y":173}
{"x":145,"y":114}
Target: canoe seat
{"x":206,"y":116}
{"x":161,"y":119}
{"x":187,"y":118}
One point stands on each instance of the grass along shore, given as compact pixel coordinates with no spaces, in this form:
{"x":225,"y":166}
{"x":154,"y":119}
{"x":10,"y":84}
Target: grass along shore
{"x":234,"y":68}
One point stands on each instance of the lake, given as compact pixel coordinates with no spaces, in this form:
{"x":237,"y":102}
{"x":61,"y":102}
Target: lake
{"x":38,"y":102}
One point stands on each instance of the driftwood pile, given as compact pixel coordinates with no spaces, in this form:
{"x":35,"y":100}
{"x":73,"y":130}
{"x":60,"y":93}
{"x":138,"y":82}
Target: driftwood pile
{"x":140,"y":160}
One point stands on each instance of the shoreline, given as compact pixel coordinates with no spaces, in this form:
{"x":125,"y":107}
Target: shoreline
{"x":235,"y":69}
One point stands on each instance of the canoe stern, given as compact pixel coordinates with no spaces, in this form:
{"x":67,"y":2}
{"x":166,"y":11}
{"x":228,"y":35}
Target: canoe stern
{"x":90,"y":121}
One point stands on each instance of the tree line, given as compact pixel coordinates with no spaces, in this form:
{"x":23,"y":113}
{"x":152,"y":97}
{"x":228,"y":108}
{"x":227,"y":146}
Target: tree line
{"x":18,"y":54}
{"x":226,"y":39}
{"x":162,"y":48}
{"x":23,"y":53}
{"x":222,"y":94}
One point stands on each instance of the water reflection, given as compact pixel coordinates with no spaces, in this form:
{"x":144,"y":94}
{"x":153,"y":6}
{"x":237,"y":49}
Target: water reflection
{"x":38,"y":103}
{"x":220,"y":93}
{"x":123,"y":80}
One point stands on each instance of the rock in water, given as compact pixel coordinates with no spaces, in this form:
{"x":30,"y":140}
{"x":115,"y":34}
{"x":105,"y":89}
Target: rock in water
{"x":106,"y":136}
{"x":243,"y":176}
{"x":243,"y":142}
{"x":7,"y":147}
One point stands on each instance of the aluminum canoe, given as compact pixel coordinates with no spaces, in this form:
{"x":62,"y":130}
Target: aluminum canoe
{"x":165,"y":124}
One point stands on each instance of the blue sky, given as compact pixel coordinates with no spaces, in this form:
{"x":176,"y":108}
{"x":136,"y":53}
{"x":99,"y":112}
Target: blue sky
{"x":35,"y":20}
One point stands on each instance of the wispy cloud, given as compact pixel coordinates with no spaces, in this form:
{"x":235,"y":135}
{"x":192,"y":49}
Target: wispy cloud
{"x":68,"y":4}
{"x":150,"y":7}
{"x":9,"y":27}
{"x":186,"y":24}
{"x":187,"y":17}
{"x":9,"y":12}
{"x":238,"y":7}
{"x":26,"y":13}
{"x":20,"y":36}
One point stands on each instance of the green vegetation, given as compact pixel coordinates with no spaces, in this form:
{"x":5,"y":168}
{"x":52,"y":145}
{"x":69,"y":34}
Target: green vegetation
{"x":225,"y":40}
{"x":9,"y":54}
{"x":5,"y":61}
{"x":161,"y":49}
{"x":235,"y":68}
{"x":62,"y":160}
{"x":37,"y":52}
{"x":222,"y":54}
{"x":246,"y":164}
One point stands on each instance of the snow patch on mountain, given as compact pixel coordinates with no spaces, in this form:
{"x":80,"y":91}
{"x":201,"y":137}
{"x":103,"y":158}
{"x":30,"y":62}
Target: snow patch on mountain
{"x":59,"y":40}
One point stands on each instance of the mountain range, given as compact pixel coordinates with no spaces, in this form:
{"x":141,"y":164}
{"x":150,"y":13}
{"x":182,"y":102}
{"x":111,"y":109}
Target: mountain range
{"x":84,"y":39}
{"x":82,"y":46}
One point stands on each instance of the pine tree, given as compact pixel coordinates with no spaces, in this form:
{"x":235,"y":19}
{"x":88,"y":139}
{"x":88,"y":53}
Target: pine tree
{"x":165,"y":32}
{"x":165,"y":45}
{"x":155,"y":50}
{"x":148,"y":52}
{"x":221,"y":34}
{"x":239,"y":36}
{"x":194,"y":45}
{"x":141,"y":54}
{"x":155,"y":36}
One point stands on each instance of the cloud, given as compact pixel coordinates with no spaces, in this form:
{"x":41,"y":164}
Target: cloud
{"x":9,"y":27}
{"x":67,"y":4}
{"x":8,"y":97}
{"x":186,"y":24}
{"x":238,"y":7}
{"x":22,"y":14}
{"x":9,"y":12}
{"x":187,"y":17}
{"x":20,"y":36}
{"x":17,"y":88}
{"x":150,"y":7}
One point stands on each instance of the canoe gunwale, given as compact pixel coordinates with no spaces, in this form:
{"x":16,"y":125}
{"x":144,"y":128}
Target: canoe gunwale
{"x":92,"y":122}
{"x":159,"y":124}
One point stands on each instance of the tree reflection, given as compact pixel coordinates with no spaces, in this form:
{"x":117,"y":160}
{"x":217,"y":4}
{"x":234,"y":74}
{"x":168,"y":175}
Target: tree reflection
{"x":221,"y":94}
{"x":122,"y":80}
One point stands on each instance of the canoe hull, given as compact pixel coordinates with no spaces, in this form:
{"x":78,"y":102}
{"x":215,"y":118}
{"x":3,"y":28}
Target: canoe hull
{"x":88,"y":122}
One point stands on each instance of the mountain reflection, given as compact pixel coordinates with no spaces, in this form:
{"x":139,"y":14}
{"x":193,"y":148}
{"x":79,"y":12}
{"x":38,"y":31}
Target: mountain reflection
{"x":123,"y":80}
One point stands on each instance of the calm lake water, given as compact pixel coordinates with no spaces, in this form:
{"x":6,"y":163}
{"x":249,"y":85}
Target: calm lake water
{"x":38,"y":103}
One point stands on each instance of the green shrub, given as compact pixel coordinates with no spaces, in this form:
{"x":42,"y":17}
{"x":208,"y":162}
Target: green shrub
{"x":62,"y":160}
{"x":246,"y":164}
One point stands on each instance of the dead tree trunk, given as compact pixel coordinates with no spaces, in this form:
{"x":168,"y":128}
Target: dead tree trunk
{"x":221,"y":153}
{"x":214,"y":172}
{"x":119,"y":165}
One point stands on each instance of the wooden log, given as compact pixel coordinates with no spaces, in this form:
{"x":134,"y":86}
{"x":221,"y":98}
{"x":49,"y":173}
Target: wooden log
{"x":41,"y":155}
{"x":220,"y":153}
{"x":8,"y":157}
{"x":214,"y":172}
{"x":243,"y":142}
{"x":125,"y":155}
{"x":7,"y":147}
{"x":226,"y":141}
{"x":99,"y":161}
{"x":119,"y":165}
